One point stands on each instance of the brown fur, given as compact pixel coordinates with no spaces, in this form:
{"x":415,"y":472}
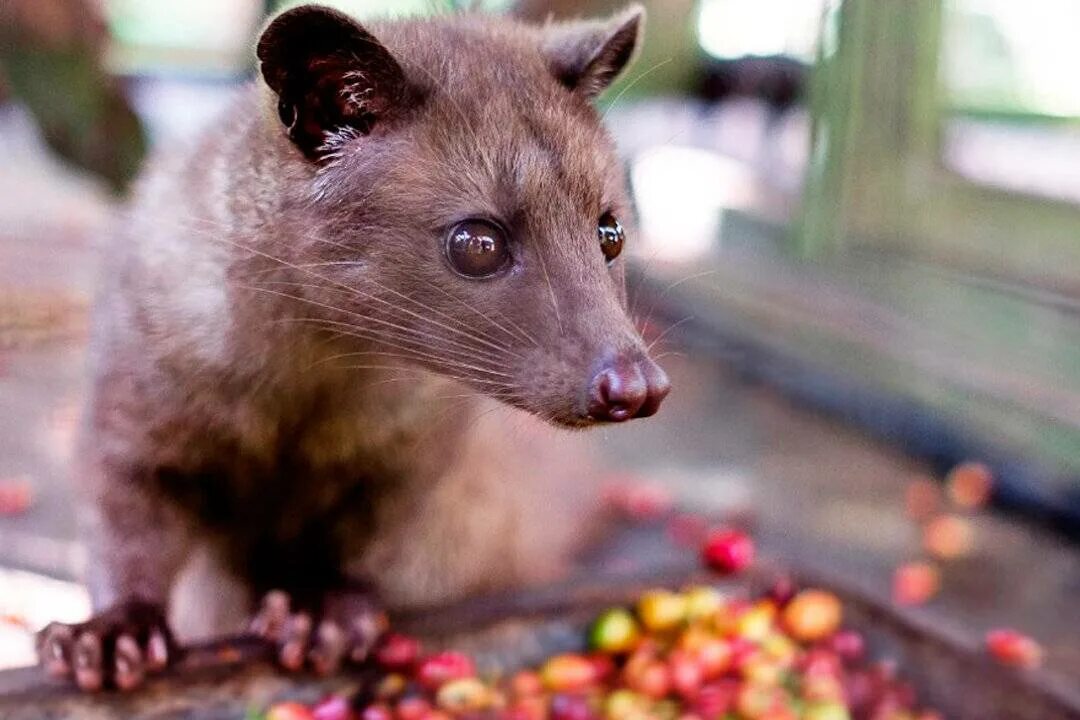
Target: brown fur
{"x":235,"y":442}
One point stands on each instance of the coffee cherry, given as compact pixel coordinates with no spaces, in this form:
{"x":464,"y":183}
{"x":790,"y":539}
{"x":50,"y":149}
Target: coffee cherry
{"x":526,"y":683}
{"x":463,"y":695}
{"x":435,"y":714}
{"x":728,"y":551}
{"x":915,"y":583}
{"x":531,"y":708}
{"x":615,"y":631}
{"x":371,"y":712}
{"x":782,"y":590}
{"x":16,"y":495}
{"x":756,"y":622}
{"x":603,"y":667}
{"x":288,"y":711}
{"x":969,"y":485}
{"x":336,"y":707}
{"x":390,"y":687}
{"x":436,"y":670}
{"x":686,"y":673}
{"x":654,"y":680}
{"x":624,"y":704}
{"x":412,"y":708}
{"x":948,"y":537}
{"x":812,"y":615}
{"x":661,"y":610}
{"x":713,"y":654}
{"x":568,"y":673}
{"x":756,"y":701}
{"x":780,"y":648}
{"x":398,"y":652}
{"x":822,"y":688}
{"x":1010,"y":647}
{"x":826,"y":711}
{"x":702,"y":603}
{"x":715,"y":700}
{"x":848,"y":644}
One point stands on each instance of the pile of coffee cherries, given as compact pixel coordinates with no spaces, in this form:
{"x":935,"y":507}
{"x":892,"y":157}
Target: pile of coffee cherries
{"x":691,"y":655}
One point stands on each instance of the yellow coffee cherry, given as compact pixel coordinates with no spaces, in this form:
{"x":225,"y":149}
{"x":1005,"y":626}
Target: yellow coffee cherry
{"x":662,"y":610}
{"x":615,"y":631}
{"x":703,"y":602}
{"x":464,"y":695}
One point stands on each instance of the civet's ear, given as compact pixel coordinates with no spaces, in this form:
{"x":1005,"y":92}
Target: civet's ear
{"x":587,"y":56}
{"x":330,"y":74}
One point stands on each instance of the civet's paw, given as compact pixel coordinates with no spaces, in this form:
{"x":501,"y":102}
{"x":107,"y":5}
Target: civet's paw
{"x":344,"y":630}
{"x":115,"y":649}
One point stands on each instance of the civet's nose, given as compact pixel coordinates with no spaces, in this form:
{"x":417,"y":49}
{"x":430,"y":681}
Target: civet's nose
{"x":627,"y":388}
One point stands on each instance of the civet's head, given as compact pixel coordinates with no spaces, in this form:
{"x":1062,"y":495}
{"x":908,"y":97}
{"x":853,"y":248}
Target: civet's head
{"x":471,"y":211}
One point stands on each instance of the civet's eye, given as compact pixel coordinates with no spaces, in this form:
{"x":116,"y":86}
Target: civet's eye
{"x":477,"y":248}
{"x":612,"y":237}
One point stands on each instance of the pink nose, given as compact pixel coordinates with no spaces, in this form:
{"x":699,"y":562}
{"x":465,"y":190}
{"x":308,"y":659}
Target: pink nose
{"x":627,"y":388}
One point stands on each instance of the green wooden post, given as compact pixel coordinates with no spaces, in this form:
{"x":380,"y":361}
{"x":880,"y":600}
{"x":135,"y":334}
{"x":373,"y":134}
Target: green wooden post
{"x":877,"y":179}
{"x":874,"y":106}
{"x":832,"y":99}
{"x":979,"y":273}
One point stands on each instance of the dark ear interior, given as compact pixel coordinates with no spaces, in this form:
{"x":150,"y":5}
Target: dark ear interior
{"x":587,"y":56}
{"x":329,"y":73}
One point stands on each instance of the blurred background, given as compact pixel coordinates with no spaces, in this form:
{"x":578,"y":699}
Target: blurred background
{"x":860,"y":255}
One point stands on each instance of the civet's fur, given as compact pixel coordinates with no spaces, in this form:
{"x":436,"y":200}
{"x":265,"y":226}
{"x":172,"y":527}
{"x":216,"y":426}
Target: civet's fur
{"x":293,"y":390}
